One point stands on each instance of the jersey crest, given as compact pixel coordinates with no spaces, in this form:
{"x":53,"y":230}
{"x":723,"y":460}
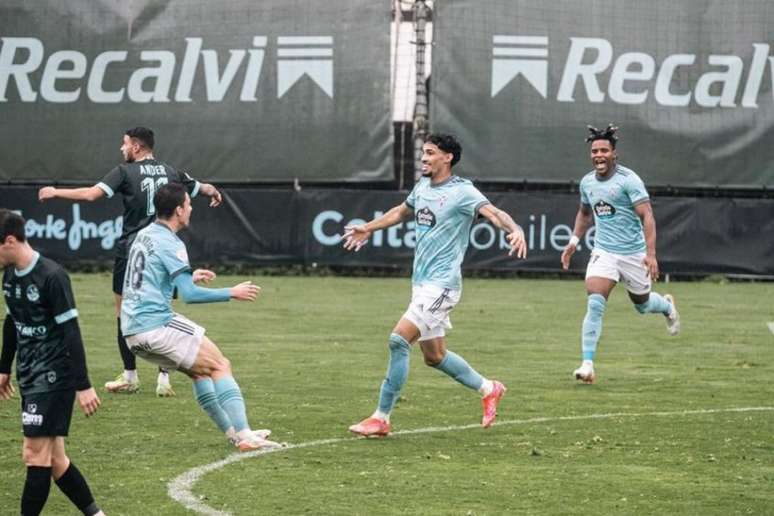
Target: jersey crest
{"x":33,"y":294}
{"x":425,"y":217}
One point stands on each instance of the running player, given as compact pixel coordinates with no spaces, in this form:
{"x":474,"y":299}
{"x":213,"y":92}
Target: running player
{"x":443,"y":207}
{"x":624,"y":244}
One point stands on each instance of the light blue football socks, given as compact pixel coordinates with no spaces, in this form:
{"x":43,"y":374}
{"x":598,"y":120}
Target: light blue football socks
{"x":592,"y":325}
{"x":204,"y":391}
{"x":656,"y":304}
{"x":230,"y":399}
{"x":456,"y":367}
{"x":397,"y":373}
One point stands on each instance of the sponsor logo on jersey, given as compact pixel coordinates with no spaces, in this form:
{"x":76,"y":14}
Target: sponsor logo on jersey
{"x":425,"y":217}
{"x":33,"y":294}
{"x":604,"y":210}
{"x":30,"y":331}
{"x":17,"y":292}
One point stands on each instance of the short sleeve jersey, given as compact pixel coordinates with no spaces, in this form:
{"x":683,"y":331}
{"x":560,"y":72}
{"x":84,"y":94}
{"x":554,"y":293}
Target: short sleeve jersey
{"x":137,"y":183}
{"x":39,"y":300}
{"x":618,"y":227}
{"x":156,"y":258}
{"x":443,"y":215}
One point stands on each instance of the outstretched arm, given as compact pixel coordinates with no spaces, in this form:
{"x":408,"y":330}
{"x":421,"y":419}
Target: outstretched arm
{"x":503,"y":221}
{"x":192,"y":293}
{"x":356,"y":237}
{"x":644,"y":211}
{"x":87,"y":193}
{"x":583,"y":220}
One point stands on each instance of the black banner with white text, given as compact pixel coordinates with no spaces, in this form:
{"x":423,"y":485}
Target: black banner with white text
{"x":270,"y":227}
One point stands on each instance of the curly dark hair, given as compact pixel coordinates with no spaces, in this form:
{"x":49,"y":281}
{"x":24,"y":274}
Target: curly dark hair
{"x":609,"y":134}
{"x":447,"y":143}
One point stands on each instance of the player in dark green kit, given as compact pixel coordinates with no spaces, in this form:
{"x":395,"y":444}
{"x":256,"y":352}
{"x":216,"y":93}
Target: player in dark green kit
{"x":137,"y":180}
{"x":41,"y":330}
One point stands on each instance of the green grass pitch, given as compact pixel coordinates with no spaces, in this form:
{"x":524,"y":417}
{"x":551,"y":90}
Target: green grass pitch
{"x":311,"y":352}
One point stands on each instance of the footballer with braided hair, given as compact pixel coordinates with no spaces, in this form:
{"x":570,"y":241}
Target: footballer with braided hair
{"x":614,"y":198}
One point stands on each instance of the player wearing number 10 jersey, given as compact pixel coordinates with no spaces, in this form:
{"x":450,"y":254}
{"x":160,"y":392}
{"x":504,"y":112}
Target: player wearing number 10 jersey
{"x":137,"y":180}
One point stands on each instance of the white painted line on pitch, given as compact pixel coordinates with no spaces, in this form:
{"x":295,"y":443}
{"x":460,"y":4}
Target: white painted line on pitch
{"x":179,"y":489}
{"x":771,"y":327}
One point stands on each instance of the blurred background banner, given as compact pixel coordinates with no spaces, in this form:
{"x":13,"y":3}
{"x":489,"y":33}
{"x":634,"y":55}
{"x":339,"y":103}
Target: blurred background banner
{"x":689,"y":83}
{"x":235,"y":91}
{"x":264,"y":226}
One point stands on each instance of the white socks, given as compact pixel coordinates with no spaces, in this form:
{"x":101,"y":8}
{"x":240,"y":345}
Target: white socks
{"x":486,"y":388}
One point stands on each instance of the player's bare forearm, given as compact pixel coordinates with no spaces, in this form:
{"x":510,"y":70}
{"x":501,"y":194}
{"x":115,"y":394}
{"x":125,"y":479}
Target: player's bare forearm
{"x":87,"y":193}
{"x":499,"y":218}
{"x":503,"y":221}
{"x":649,"y":228}
{"x":394,"y":216}
{"x":210,"y":191}
{"x":207,"y":189}
{"x":645,"y":212}
{"x":582,"y":222}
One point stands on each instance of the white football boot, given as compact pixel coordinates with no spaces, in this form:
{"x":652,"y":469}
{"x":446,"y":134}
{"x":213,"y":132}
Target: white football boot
{"x":673,"y":319}
{"x":585,"y":373}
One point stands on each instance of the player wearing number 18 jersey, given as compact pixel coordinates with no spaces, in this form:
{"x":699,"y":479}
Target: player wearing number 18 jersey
{"x":137,"y":180}
{"x":158,"y":263}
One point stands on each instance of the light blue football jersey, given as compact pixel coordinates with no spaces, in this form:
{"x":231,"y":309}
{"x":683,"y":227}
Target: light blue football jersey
{"x":618,"y":228}
{"x":443,"y":215}
{"x":157,"y":256}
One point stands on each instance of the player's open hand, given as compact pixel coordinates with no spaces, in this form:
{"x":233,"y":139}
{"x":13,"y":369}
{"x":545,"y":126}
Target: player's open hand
{"x":89,"y":401}
{"x":216,"y":198}
{"x":569,"y":250}
{"x":355,"y":237}
{"x":203,"y":276}
{"x":651,"y":264}
{"x":46,"y":193}
{"x":245,"y":291}
{"x":518,"y":243}
{"x":6,"y":388}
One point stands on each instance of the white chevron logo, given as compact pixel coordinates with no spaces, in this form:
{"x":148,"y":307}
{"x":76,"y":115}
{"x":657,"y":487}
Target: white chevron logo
{"x":520,"y":55}
{"x":304,"y":55}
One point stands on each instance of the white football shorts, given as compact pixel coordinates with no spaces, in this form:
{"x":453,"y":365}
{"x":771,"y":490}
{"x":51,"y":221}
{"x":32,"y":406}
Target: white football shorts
{"x":174,"y":345}
{"x":626,"y":268}
{"x":429,"y":309}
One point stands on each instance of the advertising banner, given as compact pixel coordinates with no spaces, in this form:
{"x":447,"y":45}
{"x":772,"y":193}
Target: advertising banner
{"x":271,"y":227}
{"x":689,"y":84}
{"x":235,"y":91}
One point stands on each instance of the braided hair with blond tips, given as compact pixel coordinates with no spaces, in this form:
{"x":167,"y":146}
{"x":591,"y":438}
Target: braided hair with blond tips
{"x":609,"y":134}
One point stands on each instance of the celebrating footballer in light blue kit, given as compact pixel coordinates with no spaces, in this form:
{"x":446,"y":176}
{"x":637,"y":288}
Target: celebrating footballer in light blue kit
{"x":443,"y":207}
{"x":444,"y":214}
{"x":157,"y":258}
{"x":624,"y":244}
{"x":158,"y":262}
{"x":612,"y":200}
